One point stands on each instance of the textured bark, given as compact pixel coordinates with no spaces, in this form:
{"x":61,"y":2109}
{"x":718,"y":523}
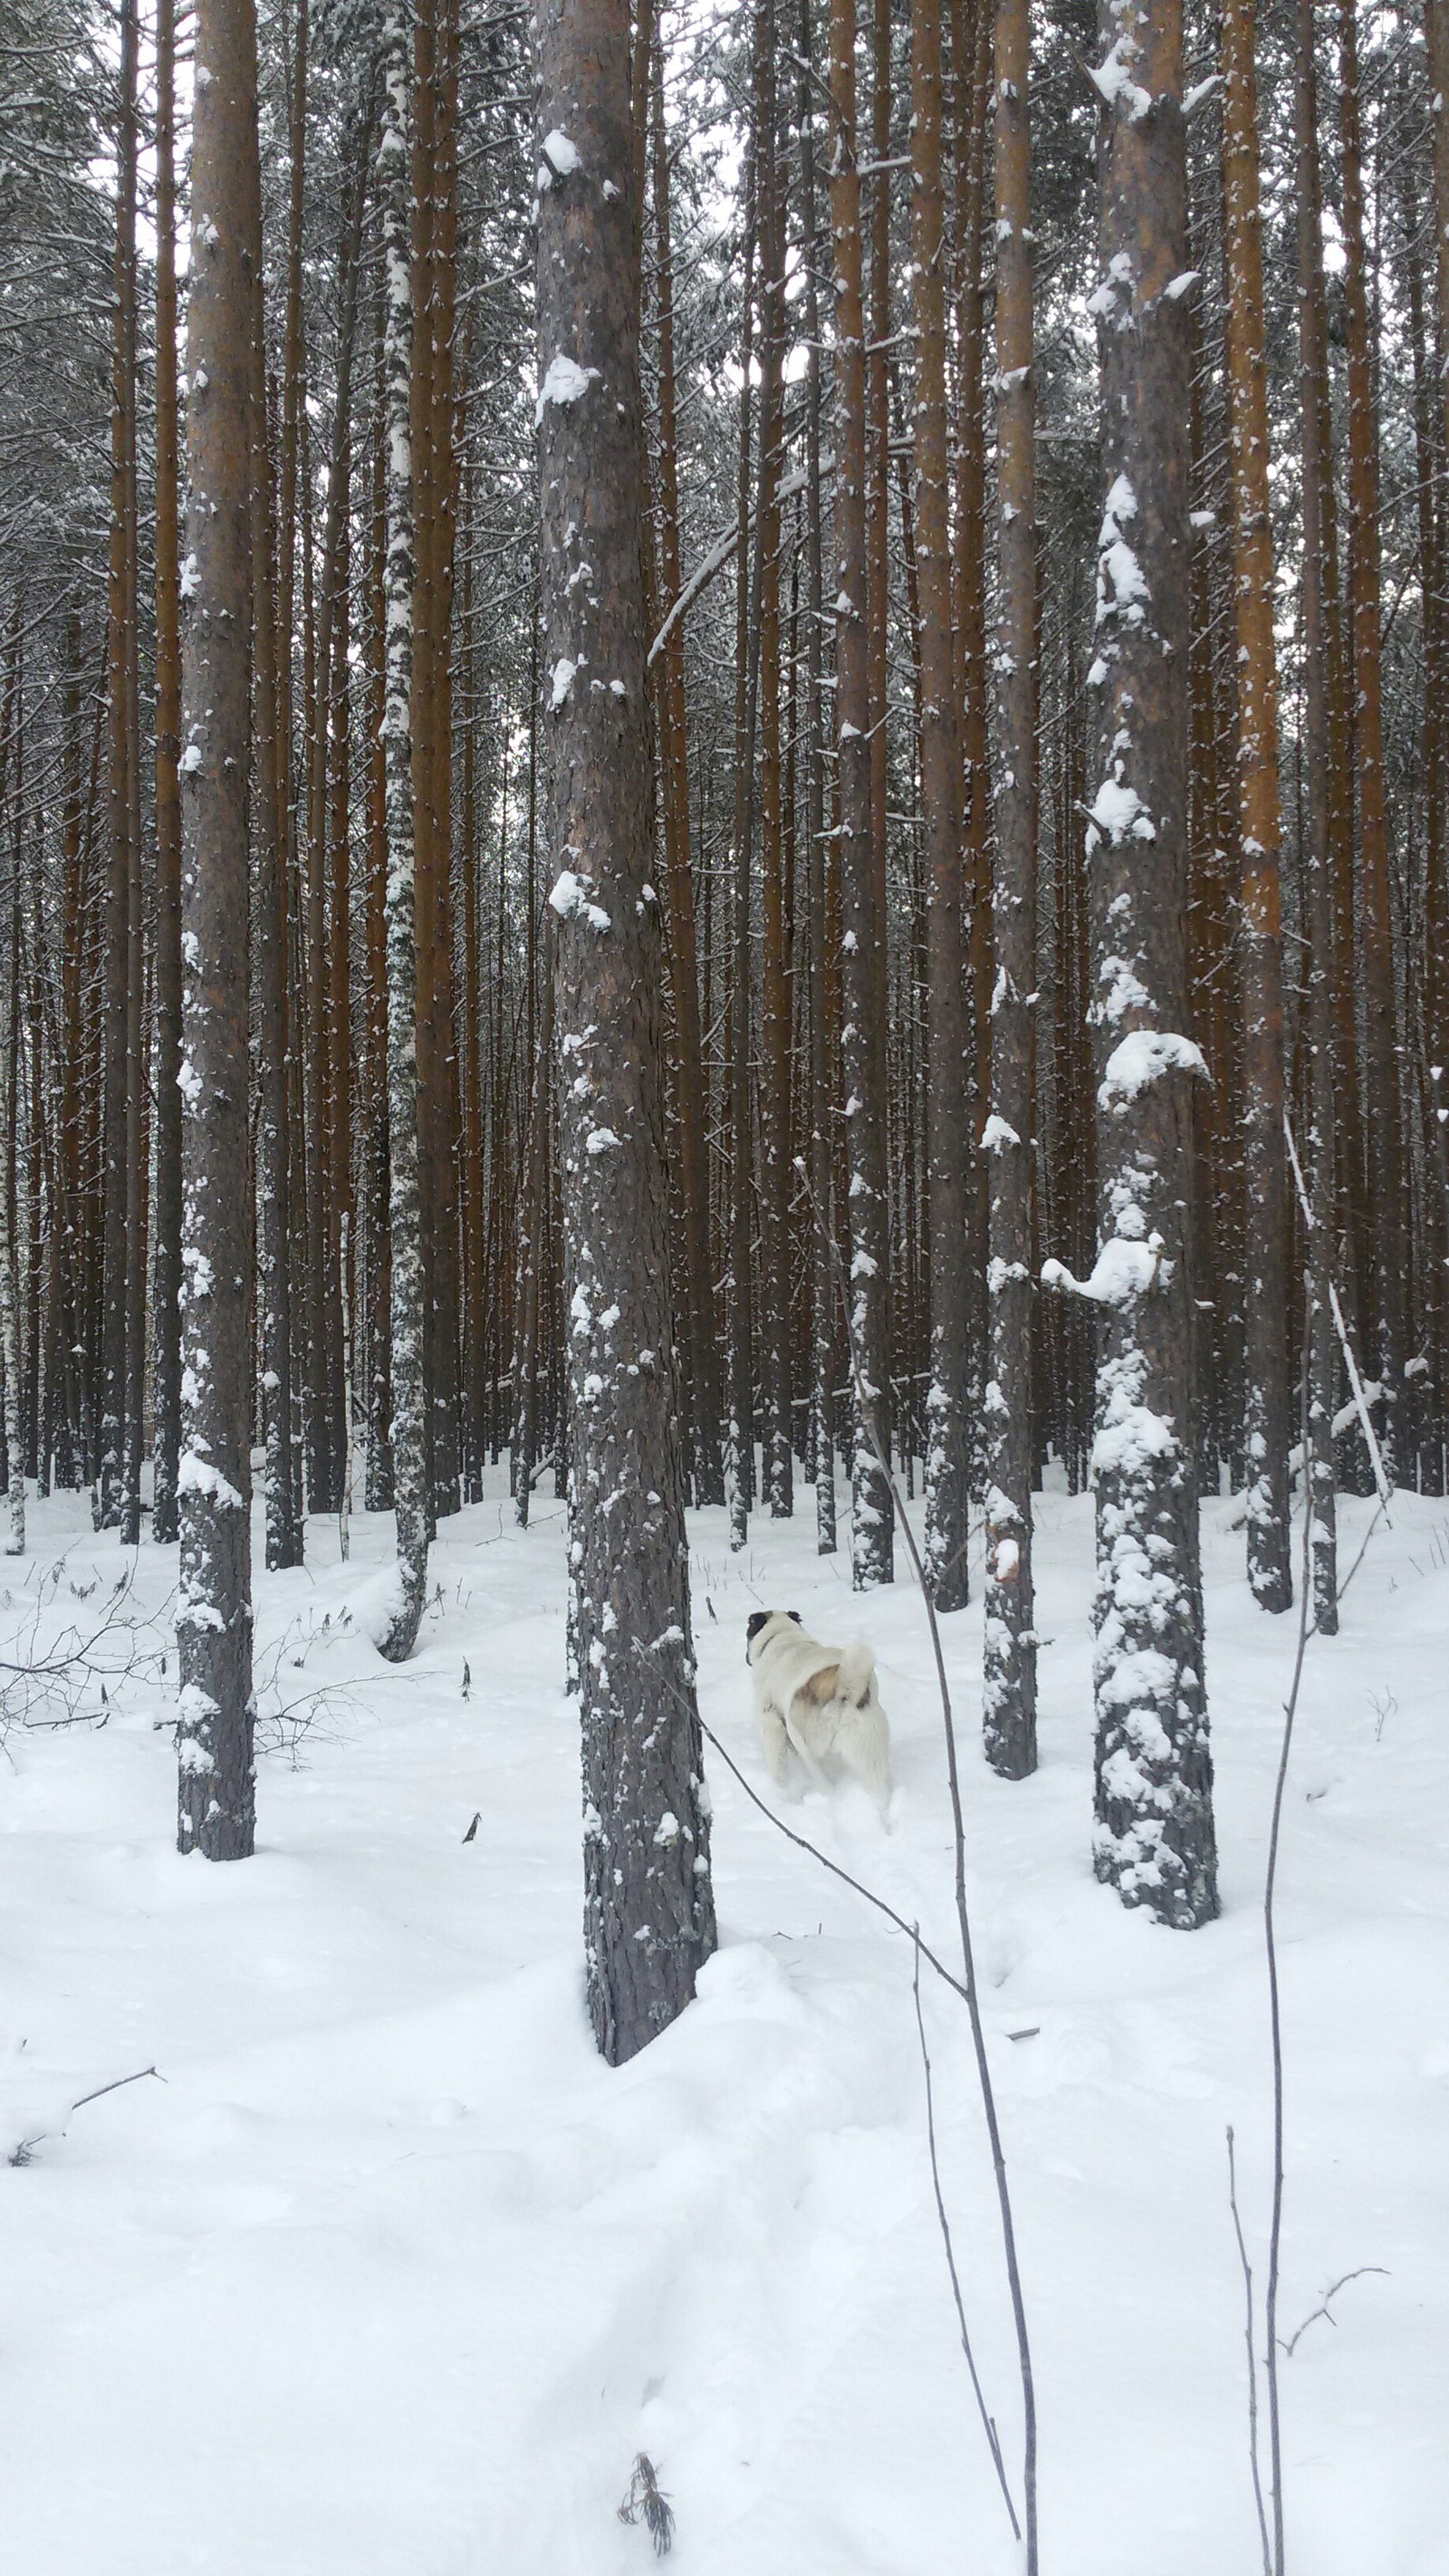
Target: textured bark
{"x":124,"y":792}
{"x":947,"y":1449}
{"x":1436,"y":28}
{"x":740,"y":1434}
{"x":705,"y":1396}
{"x":1317,"y":853}
{"x":1154,"y":1831}
{"x":862,"y":928}
{"x":1268,"y":1407}
{"x":822,"y":1282}
{"x":411,"y":1497}
{"x":649,"y":1912}
{"x":217,"y":1800}
{"x":1382,"y":1260}
{"x":166,"y":1283}
{"x":325,"y":1073}
{"x":378,"y":1334}
{"x":1008,"y":1698}
{"x":775,"y":1157}
{"x":971,"y":48}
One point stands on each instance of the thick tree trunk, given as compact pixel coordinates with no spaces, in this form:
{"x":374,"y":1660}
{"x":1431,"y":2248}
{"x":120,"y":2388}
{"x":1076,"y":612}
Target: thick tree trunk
{"x":1268,"y":1410}
{"x":217,"y":1794}
{"x":775,"y":1159}
{"x":649,"y":1912}
{"x":1317,"y":855}
{"x":411,"y":1497}
{"x":1009,"y":1678}
{"x":1154,"y":1837}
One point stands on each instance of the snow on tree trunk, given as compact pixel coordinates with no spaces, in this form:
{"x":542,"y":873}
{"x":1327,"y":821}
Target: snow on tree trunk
{"x":217,"y":1799}
{"x":10,"y":1360}
{"x":166,"y":1218}
{"x":947,"y":1448}
{"x":1008,"y":1694}
{"x":1266,"y":1284}
{"x":1317,"y":871}
{"x":409,"y":1419}
{"x":862,"y":1040}
{"x":1154,"y":1820}
{"x":649,"y":1908}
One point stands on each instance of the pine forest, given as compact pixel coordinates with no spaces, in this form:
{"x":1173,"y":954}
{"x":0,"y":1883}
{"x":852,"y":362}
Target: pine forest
{"x":724,"y":835}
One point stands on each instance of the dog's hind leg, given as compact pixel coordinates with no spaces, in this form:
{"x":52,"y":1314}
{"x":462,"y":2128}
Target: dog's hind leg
{"x":865,"y":1746}
{"x":776,"y":1742}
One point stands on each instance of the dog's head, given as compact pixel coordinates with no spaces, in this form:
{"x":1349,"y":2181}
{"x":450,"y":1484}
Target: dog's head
{"x":756,"y":1624}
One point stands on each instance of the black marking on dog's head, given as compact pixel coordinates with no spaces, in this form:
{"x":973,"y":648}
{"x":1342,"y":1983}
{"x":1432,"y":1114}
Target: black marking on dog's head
{"x":795,"y":1615}
{"x":757,"y":1620}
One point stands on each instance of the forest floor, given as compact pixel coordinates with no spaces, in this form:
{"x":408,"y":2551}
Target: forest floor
{"x":382,"y":2273}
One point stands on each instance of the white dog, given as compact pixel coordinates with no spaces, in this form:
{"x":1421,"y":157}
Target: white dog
{"x":817,"y":1700}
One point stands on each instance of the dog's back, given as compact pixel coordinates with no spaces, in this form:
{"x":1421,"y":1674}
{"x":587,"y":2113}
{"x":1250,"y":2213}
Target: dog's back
{"x":827,"y":1707}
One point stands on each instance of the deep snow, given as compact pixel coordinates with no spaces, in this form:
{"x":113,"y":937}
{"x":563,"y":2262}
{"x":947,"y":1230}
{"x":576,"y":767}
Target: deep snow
{"x":391,"y":2277}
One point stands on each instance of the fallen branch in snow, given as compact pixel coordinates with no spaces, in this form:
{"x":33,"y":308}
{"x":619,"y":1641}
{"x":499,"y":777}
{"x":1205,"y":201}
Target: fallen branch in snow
{"x":24,"y":2153}
{"x":963,"y":1915}
{"x":646,"y":2502}
{"x":1294,"y":2340}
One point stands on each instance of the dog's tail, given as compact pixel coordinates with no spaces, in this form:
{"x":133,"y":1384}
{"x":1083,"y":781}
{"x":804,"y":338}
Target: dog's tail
{"x":855,"y":1679}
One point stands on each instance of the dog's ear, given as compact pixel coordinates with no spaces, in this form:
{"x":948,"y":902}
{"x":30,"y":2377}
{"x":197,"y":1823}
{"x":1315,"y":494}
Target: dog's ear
{"x":755,"y":1622}
{"x":795,"y":1615}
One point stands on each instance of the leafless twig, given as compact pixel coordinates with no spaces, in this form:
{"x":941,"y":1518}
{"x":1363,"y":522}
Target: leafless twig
{"x":1291,"y":2346}
{"x":1252,"y":2359}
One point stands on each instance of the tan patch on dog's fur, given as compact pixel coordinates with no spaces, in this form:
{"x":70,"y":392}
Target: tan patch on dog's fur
{"x":819,"y":1691}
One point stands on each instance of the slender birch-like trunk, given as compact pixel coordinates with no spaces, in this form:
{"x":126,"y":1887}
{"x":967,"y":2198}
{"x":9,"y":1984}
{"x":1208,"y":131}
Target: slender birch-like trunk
{"x":409,"y":1403}
{"x":217,"y":1789}
{"x":1008,"y":1699}
{"x":1154,"y":1820}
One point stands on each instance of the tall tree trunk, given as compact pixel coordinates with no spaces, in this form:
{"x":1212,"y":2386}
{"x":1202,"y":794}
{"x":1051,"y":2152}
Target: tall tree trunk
{"x":1381,"y":1272}
{"x":1154,"y":1837}
{"x":411,"y":1495}
{"x":217,"y":1788}
{"x":863,"y":929}
{"x":775,"y":1160}
{"x":822,"y":1281}
{"x":124,"y":762}
{"x":1009,"y":1681}
{"x":1261,"y":951}
{"x":167,"y":1276}
{"x":704,"y":1389}
{"x":649,"y":1912}
{"x":947,"y":1451}
{"x":1318,"y":856}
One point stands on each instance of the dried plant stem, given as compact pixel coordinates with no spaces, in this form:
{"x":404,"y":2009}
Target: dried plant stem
{"x":1252,"y":2358}
{"x":963,"y":1917}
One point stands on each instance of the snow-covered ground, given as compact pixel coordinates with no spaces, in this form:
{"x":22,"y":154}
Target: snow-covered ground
{"x":382,"y":2273}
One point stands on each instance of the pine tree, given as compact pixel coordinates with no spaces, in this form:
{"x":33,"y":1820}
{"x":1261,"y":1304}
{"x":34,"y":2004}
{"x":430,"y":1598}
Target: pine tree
{"x":649,"y":1913}
{"x":214,"y":1619}
{"x":1009,"y":1138}
{"x":411,"y":1491}
{"x":1154,"y":1836}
